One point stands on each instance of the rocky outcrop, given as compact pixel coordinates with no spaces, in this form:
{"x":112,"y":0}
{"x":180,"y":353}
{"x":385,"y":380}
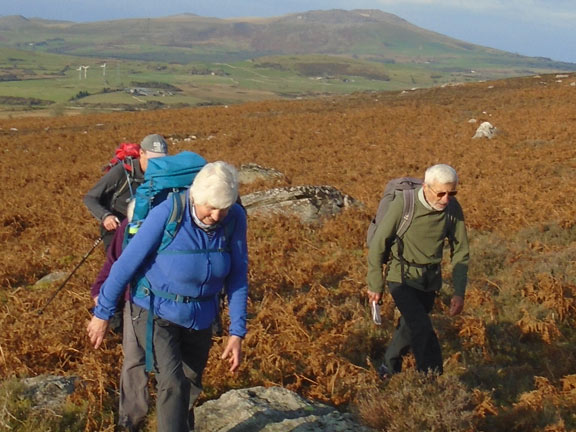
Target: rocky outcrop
{"x":273,"y":409}
{"x":48,"y":391}
{"x":250,"y":173}
{"x":262,"y":409}
{"x":485,"y":130}
{"x":309,"y":203}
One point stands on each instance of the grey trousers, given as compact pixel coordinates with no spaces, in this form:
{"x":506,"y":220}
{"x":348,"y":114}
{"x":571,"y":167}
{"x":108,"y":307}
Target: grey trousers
{"x":133,"y":377}
{"x":180,"y":356}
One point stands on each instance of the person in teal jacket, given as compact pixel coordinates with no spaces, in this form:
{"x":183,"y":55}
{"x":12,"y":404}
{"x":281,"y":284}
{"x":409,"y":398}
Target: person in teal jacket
{"x":413,"y":270}
{"x":179,"y":286}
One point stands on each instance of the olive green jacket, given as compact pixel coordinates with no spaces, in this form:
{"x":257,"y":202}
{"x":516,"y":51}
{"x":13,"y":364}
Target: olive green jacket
{"x":423,"y":247}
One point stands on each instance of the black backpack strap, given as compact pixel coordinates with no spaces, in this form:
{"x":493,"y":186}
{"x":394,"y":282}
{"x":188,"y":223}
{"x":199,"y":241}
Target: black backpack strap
{"x":451,"y":223}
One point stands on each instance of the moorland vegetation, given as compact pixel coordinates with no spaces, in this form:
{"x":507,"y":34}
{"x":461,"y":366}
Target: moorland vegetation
{"x":509,"y":358}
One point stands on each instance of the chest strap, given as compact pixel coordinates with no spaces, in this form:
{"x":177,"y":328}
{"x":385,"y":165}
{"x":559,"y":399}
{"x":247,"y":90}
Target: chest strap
{"x":146,"y":291}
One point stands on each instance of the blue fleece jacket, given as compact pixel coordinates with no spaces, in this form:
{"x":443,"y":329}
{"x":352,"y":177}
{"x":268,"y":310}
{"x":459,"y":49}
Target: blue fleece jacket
{"x":195,"y":264}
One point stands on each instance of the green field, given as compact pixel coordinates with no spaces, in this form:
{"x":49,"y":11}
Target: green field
{"x":131,"y":74}
{"x":57,"y":79}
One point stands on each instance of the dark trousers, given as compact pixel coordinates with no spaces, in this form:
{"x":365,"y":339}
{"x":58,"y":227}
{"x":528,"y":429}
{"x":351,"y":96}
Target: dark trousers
{"x":180,"y":356}
{"x":414,"y":330}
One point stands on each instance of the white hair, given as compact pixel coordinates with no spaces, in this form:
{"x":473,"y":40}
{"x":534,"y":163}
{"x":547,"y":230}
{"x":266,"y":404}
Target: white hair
{"x":441,"y":173}
{"x":215,"y":185}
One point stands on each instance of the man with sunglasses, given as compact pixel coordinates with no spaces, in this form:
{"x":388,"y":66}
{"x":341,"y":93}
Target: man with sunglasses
{"x":413,"y":270}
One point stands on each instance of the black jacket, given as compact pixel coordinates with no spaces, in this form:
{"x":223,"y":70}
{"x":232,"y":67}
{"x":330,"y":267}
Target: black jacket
{"x":113,"y":191}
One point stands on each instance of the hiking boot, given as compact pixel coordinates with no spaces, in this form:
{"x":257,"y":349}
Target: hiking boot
{"x":384,"y":372}
{"x":126,"y":425}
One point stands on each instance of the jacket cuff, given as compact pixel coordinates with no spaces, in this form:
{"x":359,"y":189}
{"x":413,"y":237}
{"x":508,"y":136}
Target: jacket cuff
{"x":102,"y":313}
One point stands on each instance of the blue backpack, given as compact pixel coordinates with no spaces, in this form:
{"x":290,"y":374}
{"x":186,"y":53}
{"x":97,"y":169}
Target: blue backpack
{"x":163,"y":176}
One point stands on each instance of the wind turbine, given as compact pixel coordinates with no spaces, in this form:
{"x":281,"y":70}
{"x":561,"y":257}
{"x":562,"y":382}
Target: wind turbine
{"x":85,"y":70}
{"x":79,"y":72}
{"x":103,"y":69}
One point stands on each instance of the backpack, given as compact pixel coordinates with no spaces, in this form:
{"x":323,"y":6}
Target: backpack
{"x":125,"y":154}
{"x":401,"y":185}
{"x":163,"y":175}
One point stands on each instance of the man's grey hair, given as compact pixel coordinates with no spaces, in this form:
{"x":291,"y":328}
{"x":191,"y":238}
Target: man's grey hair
{"x":216,"y":185}
{"x":441,"y":174}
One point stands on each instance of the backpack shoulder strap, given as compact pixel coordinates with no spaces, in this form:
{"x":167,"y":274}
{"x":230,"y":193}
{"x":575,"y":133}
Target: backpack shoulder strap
{"x":407,"y":212}
{"x":174,"y":219}
{"x":128,"y":169}
{"x":450,"y":219}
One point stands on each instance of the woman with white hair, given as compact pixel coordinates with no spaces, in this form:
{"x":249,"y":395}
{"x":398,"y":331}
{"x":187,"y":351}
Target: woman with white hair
{"x":175,"y":290}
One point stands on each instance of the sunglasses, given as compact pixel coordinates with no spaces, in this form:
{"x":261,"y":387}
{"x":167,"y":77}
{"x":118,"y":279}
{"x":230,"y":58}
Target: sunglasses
{"x":443,"y":194}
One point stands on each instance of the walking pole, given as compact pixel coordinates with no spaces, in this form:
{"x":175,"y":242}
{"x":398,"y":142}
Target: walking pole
{"x":96,"y":243}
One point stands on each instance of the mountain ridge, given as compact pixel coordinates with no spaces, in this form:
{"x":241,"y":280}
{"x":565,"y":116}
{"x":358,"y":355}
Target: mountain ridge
{"x":369,"y":34}
{"x":103,"y":64}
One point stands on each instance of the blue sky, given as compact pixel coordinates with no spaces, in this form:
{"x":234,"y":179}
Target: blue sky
{"x":543,"y":28}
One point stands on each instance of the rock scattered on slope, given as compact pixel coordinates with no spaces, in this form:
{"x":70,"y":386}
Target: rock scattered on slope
{"x":273,"y":409}
{"x":249,"y":173}
{"x":485,"y":130}
{"x":309,"y":203}
{"x":48,"y":391}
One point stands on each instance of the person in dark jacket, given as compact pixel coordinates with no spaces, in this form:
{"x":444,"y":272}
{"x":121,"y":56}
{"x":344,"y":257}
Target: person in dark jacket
{"x":413,"y":270}
{"x":134,"y":394}
{"x":175,"y":301}
{"x":108,"y":199}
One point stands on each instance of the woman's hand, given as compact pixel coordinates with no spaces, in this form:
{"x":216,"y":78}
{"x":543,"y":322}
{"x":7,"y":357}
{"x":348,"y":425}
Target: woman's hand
{"x":96,"y":331}
{"x":233,"y":351}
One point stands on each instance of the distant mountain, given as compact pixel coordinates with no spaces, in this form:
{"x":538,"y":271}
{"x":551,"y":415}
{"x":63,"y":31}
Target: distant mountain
{"x":370,"y":35}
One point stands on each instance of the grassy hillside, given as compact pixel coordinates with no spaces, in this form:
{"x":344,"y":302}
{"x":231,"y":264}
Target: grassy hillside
{"x":509,"y":359}
{"x":51,"y":84}
{"x":342,"y":51}
{"x":55,"y":80}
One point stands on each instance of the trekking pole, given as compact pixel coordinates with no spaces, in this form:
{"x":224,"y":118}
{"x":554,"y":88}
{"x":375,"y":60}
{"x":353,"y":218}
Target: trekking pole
{"x":84,"y":258}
